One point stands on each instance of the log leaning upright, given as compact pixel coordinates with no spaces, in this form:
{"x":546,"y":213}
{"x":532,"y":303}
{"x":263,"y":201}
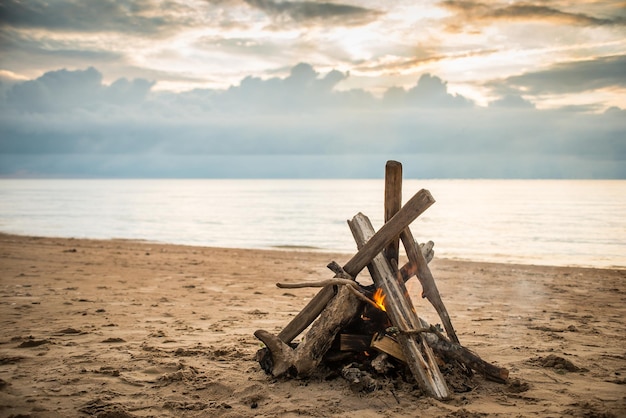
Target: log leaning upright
{"x":393,"y":203}
{"x":419,"y":356}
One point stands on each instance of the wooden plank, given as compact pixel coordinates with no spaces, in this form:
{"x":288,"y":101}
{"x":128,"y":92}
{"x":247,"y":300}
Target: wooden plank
{"x":420,"y":357}
{"x":388,"y":345}
{"x":421,"y":201}
{"x":393,"y":203}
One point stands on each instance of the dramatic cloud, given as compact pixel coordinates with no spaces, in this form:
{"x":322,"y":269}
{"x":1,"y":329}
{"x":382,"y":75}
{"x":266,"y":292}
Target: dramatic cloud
{"x":572,"y":77}
{"x":83,"y":15}
{"x":69,"y":123}
{"x":473,"y":11}
{"x":319,"y":12}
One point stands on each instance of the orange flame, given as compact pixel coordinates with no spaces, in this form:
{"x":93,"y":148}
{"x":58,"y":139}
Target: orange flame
{"x":379,"y":299}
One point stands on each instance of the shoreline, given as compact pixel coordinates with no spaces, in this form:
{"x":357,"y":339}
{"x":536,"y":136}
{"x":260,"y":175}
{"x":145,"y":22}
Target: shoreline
{"x":137,"y":328}
{"x":314,"y":250}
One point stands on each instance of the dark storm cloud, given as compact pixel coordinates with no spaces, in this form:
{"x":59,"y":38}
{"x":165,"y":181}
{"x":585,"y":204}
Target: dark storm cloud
{"x":571,"y":77}
{"x":307,"y":11}
{"x":70,"y":117}
{"x":126,"y":16}
{"x":468,"y":12}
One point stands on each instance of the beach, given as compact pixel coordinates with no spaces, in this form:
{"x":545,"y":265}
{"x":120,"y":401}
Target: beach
{"x":120,"y":328}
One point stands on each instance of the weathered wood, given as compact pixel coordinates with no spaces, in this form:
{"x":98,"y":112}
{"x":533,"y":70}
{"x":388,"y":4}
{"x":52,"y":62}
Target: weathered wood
{"x":302,"y":360}
{"x":444,"y":349}
{"x":393,"y":203}
{"x":420,"y":357}
{"x":410,"y":269}
{"x":388,"y":345}
{"x":448,"y":349}
{"x":421,"y":201}
{"x":417,"y":262}
{"x":429,"y":288}
{"x":308,"y":314}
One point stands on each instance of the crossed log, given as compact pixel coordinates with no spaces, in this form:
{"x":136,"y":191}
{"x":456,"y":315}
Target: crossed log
{"x":340,"y":300}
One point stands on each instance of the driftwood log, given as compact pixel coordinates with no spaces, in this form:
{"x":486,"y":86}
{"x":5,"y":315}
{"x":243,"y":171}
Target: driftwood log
{"x":444,"y":348}
{"x":393,"y":203}
{"x":419,"y":356}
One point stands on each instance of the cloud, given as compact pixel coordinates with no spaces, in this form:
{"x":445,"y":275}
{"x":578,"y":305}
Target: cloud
{"x":570,"y":77}
{"x":469,"y":12}
{"x":26,"y":50}
{"x":61,"y":90}
{"x":511,"y":101}
{"x":57,"y":123}
{"x":318,"y":12}
{"x":84,"y":15}
{"x":430,"y":91}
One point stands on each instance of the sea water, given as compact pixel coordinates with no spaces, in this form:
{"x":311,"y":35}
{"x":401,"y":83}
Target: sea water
{"x":547,"y":222}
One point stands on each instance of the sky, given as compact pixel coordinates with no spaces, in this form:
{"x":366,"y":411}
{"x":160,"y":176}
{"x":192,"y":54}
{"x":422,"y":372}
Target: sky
{"x":312,"y":89}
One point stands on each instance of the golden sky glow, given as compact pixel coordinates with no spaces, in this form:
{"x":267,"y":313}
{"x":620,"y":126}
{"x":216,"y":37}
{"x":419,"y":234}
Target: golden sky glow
{"x":215,"y":44}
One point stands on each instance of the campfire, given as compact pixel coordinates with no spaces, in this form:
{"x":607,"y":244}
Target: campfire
{"x":370,"y":330}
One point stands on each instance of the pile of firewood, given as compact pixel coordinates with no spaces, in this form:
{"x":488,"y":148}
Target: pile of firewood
{"x":379,"y":321}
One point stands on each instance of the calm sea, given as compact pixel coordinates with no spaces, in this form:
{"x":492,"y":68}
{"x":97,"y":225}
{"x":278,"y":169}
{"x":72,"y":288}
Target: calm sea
{"x":549,"y":222}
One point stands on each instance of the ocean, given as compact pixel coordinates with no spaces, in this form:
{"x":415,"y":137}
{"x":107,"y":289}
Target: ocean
{"x":544,"y":222}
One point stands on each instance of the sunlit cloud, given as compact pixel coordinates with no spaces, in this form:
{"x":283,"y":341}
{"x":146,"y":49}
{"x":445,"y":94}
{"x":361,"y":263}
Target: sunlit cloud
{"x":312,"y":12}
{"x":473,"y":12}
{"x":571,"y":77}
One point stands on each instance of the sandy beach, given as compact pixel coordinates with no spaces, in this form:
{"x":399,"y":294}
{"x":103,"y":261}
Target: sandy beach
{"x":135,"y":329}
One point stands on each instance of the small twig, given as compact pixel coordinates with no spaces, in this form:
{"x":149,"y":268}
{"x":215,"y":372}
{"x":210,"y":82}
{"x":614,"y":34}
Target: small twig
{"x":361,"y":296}
{"x":350,"y":284}
{"x":323,"y":283}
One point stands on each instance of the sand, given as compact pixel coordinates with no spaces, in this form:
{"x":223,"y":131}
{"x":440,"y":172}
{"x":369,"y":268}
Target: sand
{"x":134,"y":329}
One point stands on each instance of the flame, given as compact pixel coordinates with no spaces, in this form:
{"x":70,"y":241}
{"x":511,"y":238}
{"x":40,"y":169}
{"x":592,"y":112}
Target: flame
{"x":379,"y":299}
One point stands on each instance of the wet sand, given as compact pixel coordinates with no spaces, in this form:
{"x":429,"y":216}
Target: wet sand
{"x":134,"y":329}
